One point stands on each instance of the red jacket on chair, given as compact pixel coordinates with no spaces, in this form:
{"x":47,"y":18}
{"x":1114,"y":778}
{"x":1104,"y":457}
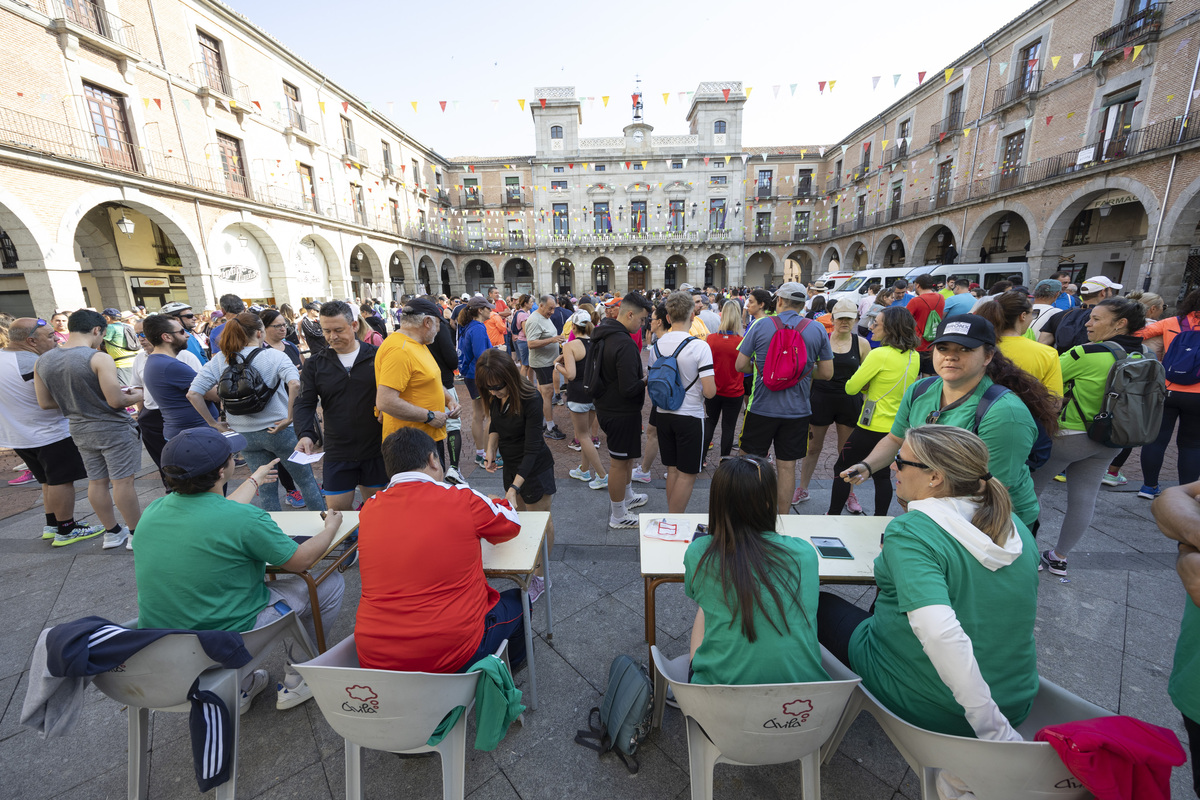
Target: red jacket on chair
{"x":1117,"y":758}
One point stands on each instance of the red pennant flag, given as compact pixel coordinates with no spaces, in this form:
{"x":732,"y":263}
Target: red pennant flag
{"x":542,"y":100}
{"x":158,"y":102}
{"x":941,"y":136}
{"x":920,"y":77}
{"x":866,"y":145}
{"x":442,"y":103}
{"x":626,"y":165}
{"x":570,"y":166}
{"x":726,"y":93}
{"x":821,"y":86}
{"x":1032,"y":63}
{"x":471,"y":167}
{"x":256,"y":103}
{"x":345,"y":107}
{"x":1049,"y":118}
{"x":1128,"y":50}
{"x":706,"y":161}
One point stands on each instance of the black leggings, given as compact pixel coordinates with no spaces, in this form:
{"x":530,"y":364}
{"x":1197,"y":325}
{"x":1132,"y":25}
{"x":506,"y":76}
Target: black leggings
{"x":857,"y":447}
{"x":837,"y":619}
{"x":1184,"y":408}
{"x":729,"y":409}
{"x":1193,"y":733}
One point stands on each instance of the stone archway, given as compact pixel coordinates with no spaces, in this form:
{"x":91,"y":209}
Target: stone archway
{"x":1174,"y":268}
{"x":399,"y":270}
{"x":930,"y":249}
{"x":1002,"y":234}
{"x":891,"y":251}
{"x":426,"y":270}
{"x":367,"y":274}
{"x":42,"y":280}
{"x":313,"y":267}
{"x":760,"y":270}
{"x":675,"y":272}
{"x":638,"y":272}
{"x":799,"y":266}
{"x":831,"y":259}
{"x":518,"y":275}
{"x":449,"y":278}
{"x":248,"y":262}
{"x":857,"y":257}
{"x":562,"y":274}
{"x":716,"y":270}
{"x":478,"y":275}
{"x":603,"y":275}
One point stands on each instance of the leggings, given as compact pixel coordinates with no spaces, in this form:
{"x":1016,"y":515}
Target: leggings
{"x":1085,"y":463}
{"x":1193,"y":733}
{"x":728,"y":409}
{"x":837,"y":619}
{"x":857,"y":447}
{"x":1121,"y":458}
{"x":1183,"y":407}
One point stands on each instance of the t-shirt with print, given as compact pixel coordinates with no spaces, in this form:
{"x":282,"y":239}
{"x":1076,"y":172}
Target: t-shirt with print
{"x":785,"y":648}
{"x":276,"y":370}
{"x":791,"y":402}
{"x":922,"y":565}
{"x":539,"y":327}
{"x":695,"y":361}
{"x":1007,"y":429}
{"x":406,"y":365}
{"x":201,"y":562}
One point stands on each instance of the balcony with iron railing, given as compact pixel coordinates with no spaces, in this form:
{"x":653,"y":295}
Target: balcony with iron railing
{"x":833,"y":184}
{"x":215,"y":79}
{"x":166,"y":255}
{"x":90,"y":19}
{"x":513,"y":197}
{"x":352,"y":151}
{"x":804,"y":188}
{"x":472,"y":197}
{"x":516,"y":238}
{"x":950,"y":124}
{"x":297,"y":124}
{"x":897,"y":152}
{"x":443,"y":196}
{"x":1140,"y":28}
{"x":764,"y":189}
{"x":1027,"y":85}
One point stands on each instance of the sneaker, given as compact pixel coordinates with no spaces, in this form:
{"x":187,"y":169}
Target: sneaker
{"x":22,"y":479}
{"x":801,"y":495}
{"x":557,"y":399}
{"x":630,"y":521}
{"x":853,"y":505}
{"x":49,"y":531}
{"x":295,"y":499}
{"x":76,"y":534}
{"x":580,"y":475}
{"x":536,"y":587}
{"x":117,"y":539}
{"x":596,"y":441}
{"x":1061,"y":477}
{"x":129,"y":541}
{"x":499,"y":460}
{"x":598,"y":483}
{"x":259,"y":681}
{"x":454,"y":477}
{"x":554,"y":433}
{"x":637,"y":501}
{"x":1055,"y":566}
{"x":1114,"y":479}
{"x":479,"y":459}
{"x":575,"y":445}
{"x":291,"y":697}
{"x":1149,"y":492}
{"x":640,"y":476}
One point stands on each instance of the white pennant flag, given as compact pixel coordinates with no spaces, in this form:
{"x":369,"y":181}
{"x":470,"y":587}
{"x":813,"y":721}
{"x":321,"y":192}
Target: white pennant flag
{"x":775,"y":89}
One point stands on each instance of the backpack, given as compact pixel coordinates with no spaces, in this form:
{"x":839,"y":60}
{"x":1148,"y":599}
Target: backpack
{"x":593,"y":384}
{"x":931,"y":326}
{"x":787,"y":356}
{"x":242,"y":388}
{"x":1071,"y":330}
{"x":1132,"y":405}
{"x":1182,"y":359}
{"x":664,"y":383}
{"x":624,"y":713}
{"x":1039,"y":454}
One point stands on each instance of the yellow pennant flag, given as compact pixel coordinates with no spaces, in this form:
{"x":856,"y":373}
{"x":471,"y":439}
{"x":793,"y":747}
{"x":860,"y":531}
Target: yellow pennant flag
{"x":1170,"y":97}
{"x":414,"y":105}
{"x":522,"y":102}
{"x":883,"y":145}
{"x":644,"y":164}
{"x":585,"y":165}
{"x":1137,"y":50}
{"x":949,"y":72}
{"x":749,"y":89}
{"x":322,"y":105}
{"x":966,"y":132}
{"x":605,"y":99}
{"x":665,"y":96}
{"x":831,"y":83}
{"x":1070,"y":114}
{"x":1054,"y":62}
{"x":146,"y":101}
{"x":233,"y":103}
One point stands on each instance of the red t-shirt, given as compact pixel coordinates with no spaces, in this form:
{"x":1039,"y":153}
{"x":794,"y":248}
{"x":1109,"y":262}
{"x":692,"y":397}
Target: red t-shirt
{"x":724,"y":347}
{"x":921,"y":306}
{"x":424,"y":594}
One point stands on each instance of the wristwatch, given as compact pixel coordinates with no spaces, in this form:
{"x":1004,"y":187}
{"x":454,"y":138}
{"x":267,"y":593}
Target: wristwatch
{"x":429,"y":415}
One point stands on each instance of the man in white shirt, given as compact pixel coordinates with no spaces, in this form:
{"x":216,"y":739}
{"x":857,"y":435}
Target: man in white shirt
{"x":1045,"y":303}
{"x":868,"y":299}
{"x":681,"y":431}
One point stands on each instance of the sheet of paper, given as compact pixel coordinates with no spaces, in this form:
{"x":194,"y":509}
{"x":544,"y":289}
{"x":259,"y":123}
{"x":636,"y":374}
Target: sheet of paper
{"x":302,"y":458}
{"x":670,"y":530}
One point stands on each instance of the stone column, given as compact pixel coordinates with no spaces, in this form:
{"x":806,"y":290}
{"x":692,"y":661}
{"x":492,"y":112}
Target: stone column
{"x":53,"y":285}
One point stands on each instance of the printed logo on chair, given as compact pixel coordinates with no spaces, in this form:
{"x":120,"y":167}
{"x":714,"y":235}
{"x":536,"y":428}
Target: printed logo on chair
{"x":366,"y":697}
{"x":798,"y":710}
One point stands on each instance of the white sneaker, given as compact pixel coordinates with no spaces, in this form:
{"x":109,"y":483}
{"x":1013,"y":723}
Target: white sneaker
{"x":629,"y":522}
{"x":640,"y":476}
{"x":260,"y":681}
{"x":286,"y":697}
{"x":594,"y":483}
{"x":454,"y":477}
{"x":117,"y":539}
{"x":636,"y":501}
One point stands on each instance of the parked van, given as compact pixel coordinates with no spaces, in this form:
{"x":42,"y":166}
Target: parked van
{"x":832,"y":281}
{"x":983,"y":274}
{"x":856,"y":287}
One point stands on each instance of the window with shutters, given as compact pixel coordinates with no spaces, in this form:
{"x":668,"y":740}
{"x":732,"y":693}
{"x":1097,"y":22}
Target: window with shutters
{"x":233,"y":163}
{"x":110,"y":124}
{"x":213,"y":66}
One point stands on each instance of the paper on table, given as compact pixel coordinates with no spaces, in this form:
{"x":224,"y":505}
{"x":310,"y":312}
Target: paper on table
{"x":302,"y":458}
{"x":670,"y":530}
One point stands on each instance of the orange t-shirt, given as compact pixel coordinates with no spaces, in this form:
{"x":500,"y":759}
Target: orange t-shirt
{"x":1168,"y":328}
{"x":424,"y":594}
{"x":495,"y":327}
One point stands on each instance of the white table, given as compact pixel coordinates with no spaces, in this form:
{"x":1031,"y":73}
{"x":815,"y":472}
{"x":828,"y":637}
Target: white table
{"x":662,"y":561}
{"x":311,"y":523}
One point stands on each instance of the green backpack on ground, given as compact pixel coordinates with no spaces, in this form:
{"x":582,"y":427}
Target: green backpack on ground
{"x":624,"y":713}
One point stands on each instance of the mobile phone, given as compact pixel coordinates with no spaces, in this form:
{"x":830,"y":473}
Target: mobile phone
{"x":831,"y":547}
{"x":701,"y":530}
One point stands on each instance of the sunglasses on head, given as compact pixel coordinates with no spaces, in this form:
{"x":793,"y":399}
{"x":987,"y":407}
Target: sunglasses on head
{"x":41,"y":323}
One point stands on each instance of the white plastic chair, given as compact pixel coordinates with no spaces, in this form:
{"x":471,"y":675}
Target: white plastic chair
{"x":993,"y":770}
{"x":159,"y":676}
{"x":754,"y":724}
{"x":392,"y":711}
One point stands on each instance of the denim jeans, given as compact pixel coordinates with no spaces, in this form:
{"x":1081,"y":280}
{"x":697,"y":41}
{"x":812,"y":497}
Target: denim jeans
{"x":261,"y":447}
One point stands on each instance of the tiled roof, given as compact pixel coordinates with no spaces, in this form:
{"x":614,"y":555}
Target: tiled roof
{"x":785,"y":150}
{"x":485,"y":160}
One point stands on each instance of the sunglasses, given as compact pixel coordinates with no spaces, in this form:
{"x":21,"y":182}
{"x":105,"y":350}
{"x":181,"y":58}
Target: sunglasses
{"x":41,"y":323}
{"x":493,"y":389}
{"x":901,"y":463}
{"x":186,"y":316}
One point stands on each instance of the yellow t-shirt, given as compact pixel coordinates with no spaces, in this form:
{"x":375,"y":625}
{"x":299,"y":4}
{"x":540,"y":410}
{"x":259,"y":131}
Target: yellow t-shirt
{"x":885,"y":374}
{"x":407,"y":366}
{"x":1039,"y":360}
{"x":698,"y":329}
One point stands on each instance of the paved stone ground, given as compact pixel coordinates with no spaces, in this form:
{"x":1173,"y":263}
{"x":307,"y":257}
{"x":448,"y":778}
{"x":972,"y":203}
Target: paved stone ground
{"x":1107,"y":634}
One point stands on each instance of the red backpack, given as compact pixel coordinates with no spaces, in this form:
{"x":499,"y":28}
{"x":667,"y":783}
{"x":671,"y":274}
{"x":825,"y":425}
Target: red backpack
{"x":787,"y":356}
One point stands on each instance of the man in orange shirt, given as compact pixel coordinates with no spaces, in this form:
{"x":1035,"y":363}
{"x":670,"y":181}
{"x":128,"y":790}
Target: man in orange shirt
{"x":496,"y":328}
{"x":426,"y":605}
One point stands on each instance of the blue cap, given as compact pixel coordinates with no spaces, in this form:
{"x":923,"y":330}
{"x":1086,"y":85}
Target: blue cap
{"x":201,"y":450}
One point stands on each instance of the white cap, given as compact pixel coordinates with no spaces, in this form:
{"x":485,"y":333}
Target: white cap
{"x":581,"y":317}
{"x":1094,"y":285}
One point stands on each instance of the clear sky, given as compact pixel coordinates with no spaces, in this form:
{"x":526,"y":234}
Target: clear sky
{"x":471,"y":53}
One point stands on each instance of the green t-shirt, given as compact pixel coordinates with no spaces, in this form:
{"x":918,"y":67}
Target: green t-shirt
{"x":922,"y":565}
{"x":779,"y":654}
{"x":1085,"y":370}
{"x":1008,"y":430}
{"x":1184,"y":686}
{"x":200,"y":562}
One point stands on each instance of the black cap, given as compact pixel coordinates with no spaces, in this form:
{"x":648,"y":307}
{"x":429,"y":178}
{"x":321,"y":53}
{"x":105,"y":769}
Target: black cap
{"x":201,"y":450}
{"x":968,"y":330}
{"x":313,"y":306}
{"x":420,"y":305}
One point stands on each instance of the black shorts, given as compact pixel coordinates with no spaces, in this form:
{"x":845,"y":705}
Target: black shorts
{"x":681,"y":442}
{"x":545,"y":375}
{"x":54,"y":464}
{"x":831,"y":407}
{"x":624,"y":436}
{"x":534,"y":488}
{"x":654,"y":416}
{"x":788,"y":434}
{"x":472,"y":389}
{"x":341,"y":477}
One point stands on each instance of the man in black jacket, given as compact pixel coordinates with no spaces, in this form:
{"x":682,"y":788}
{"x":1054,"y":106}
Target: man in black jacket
{"x":342,"y":378}
{"x":619,"y":401}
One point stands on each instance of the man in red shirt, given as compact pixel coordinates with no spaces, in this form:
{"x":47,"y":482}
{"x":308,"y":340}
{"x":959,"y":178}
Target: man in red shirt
{"x":426,"y":605}
{"x":927,"y":301}
{"x":501,"y":308}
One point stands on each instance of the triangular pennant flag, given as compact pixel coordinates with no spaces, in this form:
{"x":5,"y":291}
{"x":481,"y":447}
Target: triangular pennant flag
{"x":145,"y":100}
{"x":442,"y":103}
{"x":322,"y":105}
{"x":1070,"y":114}
{"x":875,"y":82}
{"x":821,"y":86}
{"x":252,"y":101}
{"x":1170,"y":97}
{"x":706,"y":161}
{"x":1137,"y":50}
{"x":345,"y":107}
{"x":831,"y":83}
{"x":727,"y":160}
{"x":883,"y":144}
{"x":644,"y":164}
{"x":542,"y":100}
{"x":1049,"y":118}
{"x":1003,"y":66}
{"x":1032,"y":63}
{"x":966,"y":133}
{"x":1127,"y":51}
{"x":187,"y":104}
{"x":1096,"y":55}
{"x":666,"y":96}
{"x":895,"y":80}
{"x":949,"y":72}
{"x":821,"y":150}
{"x":605,"y":99}
{"x":966,"y":72}
{"x":941,"y":136}
{"x":521,"y":102}
{"x":920,"y":78}
{"x":749,"y":89}
{"x":844,"y":148}
{"x":775,"y":89}
{"x":414,"y":105}
{"x":1075,"y":59}
{"x":1182,"y":45}
{"x":793,"y":86}
{"x":1054,"y":62}
{"x":726,"y":93}
{"x":158,"y":102}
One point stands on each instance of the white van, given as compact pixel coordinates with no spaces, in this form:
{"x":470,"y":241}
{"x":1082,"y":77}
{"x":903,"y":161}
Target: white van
{"x":856,"y":287}
{"x":983,"y":274}
{"x":832,"y":281}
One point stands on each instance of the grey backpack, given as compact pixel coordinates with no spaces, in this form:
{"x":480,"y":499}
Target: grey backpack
{"x":1132,"y":406}
{"x":624,"y":713}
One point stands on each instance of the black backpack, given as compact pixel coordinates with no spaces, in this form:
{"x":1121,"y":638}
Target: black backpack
{"x":1071,"y":330}
{"x":242,"y":389}
{"x":593,"y":384}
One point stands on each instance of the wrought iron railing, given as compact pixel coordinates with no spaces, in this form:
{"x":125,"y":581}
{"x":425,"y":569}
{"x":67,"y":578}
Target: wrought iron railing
{"x":1135,"y":29}
{"x":94,"y":18}
{"x":207,"y":76}
{"x":352,"y":150}
{"x":472,"y":196}
{"x":1028,"y":84}
{"x":941,"y":129}
{"x":513,"y":197}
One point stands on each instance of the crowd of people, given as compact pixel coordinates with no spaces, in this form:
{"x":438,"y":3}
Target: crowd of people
{"x":959,"y":403}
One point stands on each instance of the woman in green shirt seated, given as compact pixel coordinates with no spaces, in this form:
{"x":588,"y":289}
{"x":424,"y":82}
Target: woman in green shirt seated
{"x":950,"y":644}
{"x":967,"y":363}
{"x":757,"y":590}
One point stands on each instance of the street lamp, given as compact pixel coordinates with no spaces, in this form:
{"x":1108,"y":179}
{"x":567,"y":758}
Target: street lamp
{"x":125,"y":225}
{"x":737,"y":210}
{"x":1004,"y":226}
{"x":243,"y":241}
{"x":359,"y":255}
{"x":941,"y":237}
